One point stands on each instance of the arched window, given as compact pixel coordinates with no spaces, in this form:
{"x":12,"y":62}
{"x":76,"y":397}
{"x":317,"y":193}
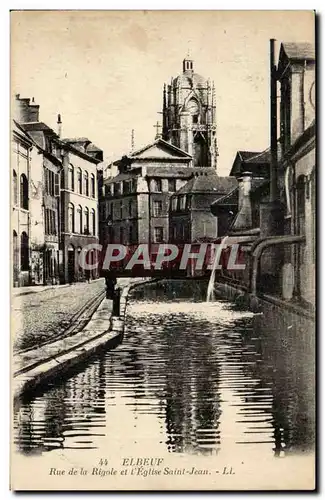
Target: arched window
{"x":86,"y":228}
{"x":71,"y":177}
{"x":15,"y":187}
{"x":79,"y":180}
{"x":71,"y":218}
{"x":23,"y":192}
{"x":86,"y":184}
{"x":93,"y":221}
{"x":93,"y":190}
{"x":24,"y":253}
{"x":79,"y":219}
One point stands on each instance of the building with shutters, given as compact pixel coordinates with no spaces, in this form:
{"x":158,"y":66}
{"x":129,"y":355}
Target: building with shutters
{"x":36,"y":170}
{"x":54,"y":199}
{"x":134,"y":204}
{"x":21,"y":146}
{"x":79,"y":205}
{"x":190,"y":216}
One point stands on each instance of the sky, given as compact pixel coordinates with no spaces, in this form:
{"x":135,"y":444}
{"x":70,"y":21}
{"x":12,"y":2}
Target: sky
{"x":104,"y":71}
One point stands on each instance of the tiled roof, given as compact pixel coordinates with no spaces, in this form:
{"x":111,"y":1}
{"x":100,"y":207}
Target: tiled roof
{"x":123,"y":176}
{"x":37,"y":126}
{"x":208,"y":182}
{"x":299,"y":51}
{"x":76,"y":139}
{"x":229,"y":199}
{"x":255,"y":157}
{"x":163,"y":143}
{"x":93,"y":147}
{"x":170,"y":171}
{"x":189,"y":79}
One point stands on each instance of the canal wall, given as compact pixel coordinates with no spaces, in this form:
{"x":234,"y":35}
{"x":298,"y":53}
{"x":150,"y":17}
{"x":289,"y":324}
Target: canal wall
{"x":37,"y":367}
{"x":288,"y":327}
{"x":172,"y":289}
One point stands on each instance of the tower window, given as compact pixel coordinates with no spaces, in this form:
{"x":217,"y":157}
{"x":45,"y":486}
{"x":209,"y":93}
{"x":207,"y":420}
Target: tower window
{"x":195,"y":118}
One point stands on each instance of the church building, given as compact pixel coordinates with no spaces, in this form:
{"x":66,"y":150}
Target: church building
{"x":135,"y":204}
{"x":189,"y":116}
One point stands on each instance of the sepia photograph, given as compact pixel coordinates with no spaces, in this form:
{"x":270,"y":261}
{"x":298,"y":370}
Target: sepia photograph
{"x":163,"y":250}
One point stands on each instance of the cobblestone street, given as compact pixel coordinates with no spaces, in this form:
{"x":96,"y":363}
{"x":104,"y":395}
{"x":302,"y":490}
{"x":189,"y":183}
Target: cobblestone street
{"x":38,"y":315}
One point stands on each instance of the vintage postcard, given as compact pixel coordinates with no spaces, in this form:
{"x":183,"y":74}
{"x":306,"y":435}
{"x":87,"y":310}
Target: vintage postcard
{"x":163,"y":207}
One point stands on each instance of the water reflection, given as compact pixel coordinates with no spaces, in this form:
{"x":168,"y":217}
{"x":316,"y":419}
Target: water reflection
{"x":189,"y":377}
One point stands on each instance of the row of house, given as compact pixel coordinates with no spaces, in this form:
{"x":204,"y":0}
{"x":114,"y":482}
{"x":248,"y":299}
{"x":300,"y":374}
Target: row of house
{"x":170,"y":190}
{"x":54,"y":199}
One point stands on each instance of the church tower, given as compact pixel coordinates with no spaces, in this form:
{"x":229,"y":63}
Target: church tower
{"x":189,"y":116}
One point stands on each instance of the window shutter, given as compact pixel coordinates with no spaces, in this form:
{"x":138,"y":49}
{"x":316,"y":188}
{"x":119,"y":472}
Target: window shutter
{"x":57,"y":185}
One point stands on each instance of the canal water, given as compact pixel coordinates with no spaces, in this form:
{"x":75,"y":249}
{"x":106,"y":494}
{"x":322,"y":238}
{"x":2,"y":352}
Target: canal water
{"x":190,"y":377}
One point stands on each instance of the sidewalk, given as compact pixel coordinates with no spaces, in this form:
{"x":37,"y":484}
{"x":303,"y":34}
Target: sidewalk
{"x":46,"y":313}
{"x":25,"y":290}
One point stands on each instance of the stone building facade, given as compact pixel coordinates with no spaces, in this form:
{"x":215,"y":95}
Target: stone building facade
{"x":286,"y":268}
{"x":36,"y":257}
{"x":79,"y":205}
{"x":55,"y":212}
{"x":297,"y":166}
{"x":191,"y":219}
{"x":20,"y":217}
{"x":134,"y":204}
{"x":45,"y":203}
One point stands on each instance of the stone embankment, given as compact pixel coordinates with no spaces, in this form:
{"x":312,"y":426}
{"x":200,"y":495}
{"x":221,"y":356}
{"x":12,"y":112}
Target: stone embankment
{"x":37,"y":366}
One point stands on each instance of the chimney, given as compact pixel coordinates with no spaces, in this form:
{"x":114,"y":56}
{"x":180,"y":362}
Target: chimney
{"x":33,"y":111}
{"x":26,"y":110}
{"x":244,"y":216}
{"x":59,"y":124}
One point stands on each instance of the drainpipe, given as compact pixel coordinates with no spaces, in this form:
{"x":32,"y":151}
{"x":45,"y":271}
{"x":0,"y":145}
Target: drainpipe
{"x":287,"y":190}
{"x":273,"y":126}
{"x":258,"y":248}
